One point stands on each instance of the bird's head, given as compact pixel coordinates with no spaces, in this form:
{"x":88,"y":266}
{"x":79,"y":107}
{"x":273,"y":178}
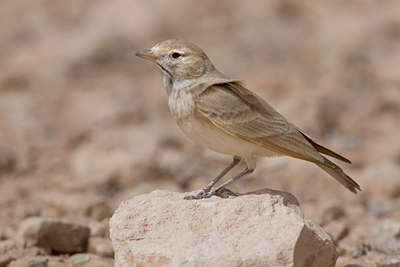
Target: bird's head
{"x":178,"y":59}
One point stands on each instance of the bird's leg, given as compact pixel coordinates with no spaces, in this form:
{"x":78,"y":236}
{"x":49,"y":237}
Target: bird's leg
{"x":224,"y":192}
{"x":206,"y":191}
{"x":234,"y":162}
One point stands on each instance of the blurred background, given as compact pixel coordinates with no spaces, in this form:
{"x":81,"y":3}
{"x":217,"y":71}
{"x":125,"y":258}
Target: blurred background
{"x":84,"y":124}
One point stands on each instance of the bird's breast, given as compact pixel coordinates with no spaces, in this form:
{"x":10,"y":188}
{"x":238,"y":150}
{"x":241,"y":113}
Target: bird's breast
{"x":181,"y":104}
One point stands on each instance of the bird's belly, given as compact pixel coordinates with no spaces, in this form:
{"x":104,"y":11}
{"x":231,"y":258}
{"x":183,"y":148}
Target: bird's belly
{"x":211,"y":137}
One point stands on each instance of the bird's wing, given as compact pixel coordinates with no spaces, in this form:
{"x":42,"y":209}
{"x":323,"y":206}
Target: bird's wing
{"x":239,"y":112}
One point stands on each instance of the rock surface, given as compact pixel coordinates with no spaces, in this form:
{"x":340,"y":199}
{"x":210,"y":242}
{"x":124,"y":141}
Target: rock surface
{"x":56,"y":235}
{"x":161,"y":228}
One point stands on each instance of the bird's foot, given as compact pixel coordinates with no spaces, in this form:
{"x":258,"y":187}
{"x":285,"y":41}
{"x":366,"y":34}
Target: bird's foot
{"x":222,"y":192}
{"x":202,"y":194}
{"x":225,"y":193}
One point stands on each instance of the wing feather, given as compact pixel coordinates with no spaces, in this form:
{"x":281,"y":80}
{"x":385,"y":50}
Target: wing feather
{"x":241,"y":113}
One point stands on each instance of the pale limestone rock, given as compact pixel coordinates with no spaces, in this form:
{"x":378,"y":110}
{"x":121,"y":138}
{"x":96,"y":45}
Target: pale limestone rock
{"x":161,"y":228}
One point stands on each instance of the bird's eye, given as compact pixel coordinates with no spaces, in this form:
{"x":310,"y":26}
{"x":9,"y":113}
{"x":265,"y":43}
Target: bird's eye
{"x":175,"y":55}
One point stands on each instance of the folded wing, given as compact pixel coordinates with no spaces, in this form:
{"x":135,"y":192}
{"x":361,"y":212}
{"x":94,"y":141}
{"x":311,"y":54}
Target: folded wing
{"x":239,"y":112}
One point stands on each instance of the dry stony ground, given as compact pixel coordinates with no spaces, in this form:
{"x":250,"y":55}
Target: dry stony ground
{"x":84,"y":124}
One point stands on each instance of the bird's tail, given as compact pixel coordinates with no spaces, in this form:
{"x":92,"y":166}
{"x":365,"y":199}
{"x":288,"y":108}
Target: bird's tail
{"x":336,"y":172}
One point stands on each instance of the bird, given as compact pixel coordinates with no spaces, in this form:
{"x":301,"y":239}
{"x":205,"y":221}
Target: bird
{"x":221,"y":114}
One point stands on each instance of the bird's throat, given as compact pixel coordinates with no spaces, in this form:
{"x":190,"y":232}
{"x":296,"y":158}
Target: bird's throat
{"x":167,"y":79}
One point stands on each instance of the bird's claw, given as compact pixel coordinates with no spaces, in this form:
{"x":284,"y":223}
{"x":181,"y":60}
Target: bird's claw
{"x":207,"y":193}
{"x":202,"y":194}
{"x":225,"y":193}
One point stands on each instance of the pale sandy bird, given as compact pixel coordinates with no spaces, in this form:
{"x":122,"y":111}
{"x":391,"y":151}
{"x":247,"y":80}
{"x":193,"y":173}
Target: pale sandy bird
{"x":219,"y":113}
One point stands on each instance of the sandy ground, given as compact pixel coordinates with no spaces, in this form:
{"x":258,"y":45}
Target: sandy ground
{"x":84,"y":123}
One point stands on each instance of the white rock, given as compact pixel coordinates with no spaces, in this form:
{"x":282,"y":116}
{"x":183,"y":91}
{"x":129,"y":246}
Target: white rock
{"x":161,"y":228}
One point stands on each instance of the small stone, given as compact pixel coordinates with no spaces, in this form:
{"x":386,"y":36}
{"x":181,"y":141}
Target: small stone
{"x":90,"y":260}
{"x":38,"y":261}
{"x":80,"y":258}
{"x":385,"y":237}
{"x":55,"y":235}
{"x":101,"y":246}
{"x":361,"y":250}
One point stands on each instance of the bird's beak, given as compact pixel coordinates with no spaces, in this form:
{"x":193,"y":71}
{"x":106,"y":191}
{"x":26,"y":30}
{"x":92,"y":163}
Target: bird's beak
{"x":146,"y":54}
